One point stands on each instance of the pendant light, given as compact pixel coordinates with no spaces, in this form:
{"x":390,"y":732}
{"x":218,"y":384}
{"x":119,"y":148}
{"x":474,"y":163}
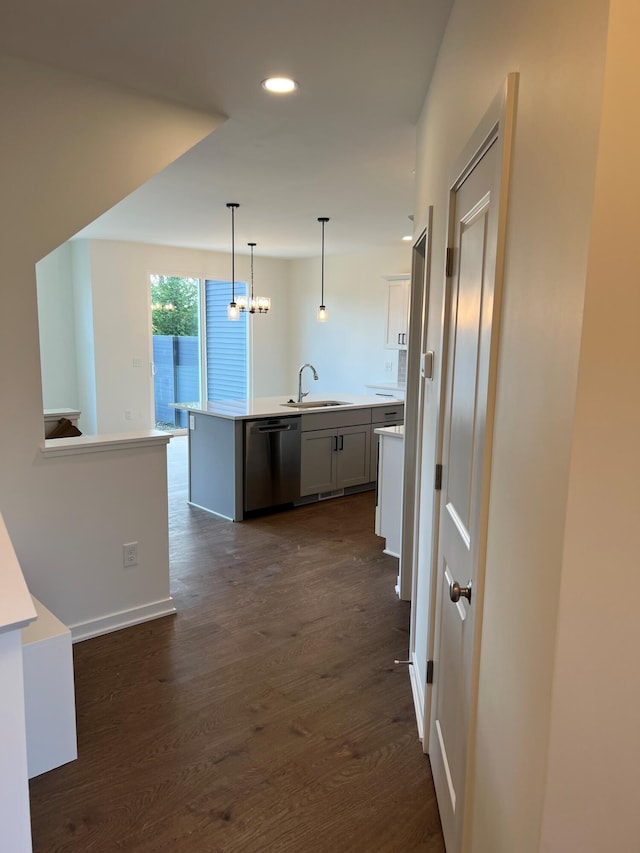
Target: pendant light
{"x":259,"y":304}
{"x":233,"y":311}
{"x":322,"y":310}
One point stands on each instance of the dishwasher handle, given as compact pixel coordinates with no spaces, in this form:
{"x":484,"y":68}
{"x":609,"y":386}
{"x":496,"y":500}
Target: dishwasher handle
{"x":279,"y":428}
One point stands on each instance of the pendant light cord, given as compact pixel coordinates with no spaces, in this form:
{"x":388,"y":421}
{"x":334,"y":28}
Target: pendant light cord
{"x":322,"y":295}
{"x":252,"y":302}
{"x":233,"y":255}
{"x":323,"y":220}
{"x":252,"y":245}
{"x":233,"y":206}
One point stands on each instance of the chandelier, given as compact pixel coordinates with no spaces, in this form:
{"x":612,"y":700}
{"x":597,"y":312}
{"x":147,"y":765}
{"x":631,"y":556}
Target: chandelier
{"x":254,"y":304}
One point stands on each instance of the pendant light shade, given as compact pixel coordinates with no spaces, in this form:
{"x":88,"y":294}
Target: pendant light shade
{"x":322,"y":308}
{"x":233,"y":309}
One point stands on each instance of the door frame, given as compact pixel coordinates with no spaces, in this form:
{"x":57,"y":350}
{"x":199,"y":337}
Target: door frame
{"x":413,"y":413}
{"x":152,"y":366}
{"x":495,"y":128}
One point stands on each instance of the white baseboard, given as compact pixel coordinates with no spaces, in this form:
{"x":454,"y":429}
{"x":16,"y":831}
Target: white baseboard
{"x":122,"y":619}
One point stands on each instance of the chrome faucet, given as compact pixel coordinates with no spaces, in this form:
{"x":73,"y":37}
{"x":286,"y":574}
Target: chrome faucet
{"x":302,"y":393}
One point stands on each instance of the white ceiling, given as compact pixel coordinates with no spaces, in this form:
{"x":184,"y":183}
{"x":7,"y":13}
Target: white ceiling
{"x":342,"y":146}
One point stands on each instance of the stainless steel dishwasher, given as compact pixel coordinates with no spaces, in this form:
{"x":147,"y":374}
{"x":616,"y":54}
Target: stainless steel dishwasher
{"x":271,"y":462}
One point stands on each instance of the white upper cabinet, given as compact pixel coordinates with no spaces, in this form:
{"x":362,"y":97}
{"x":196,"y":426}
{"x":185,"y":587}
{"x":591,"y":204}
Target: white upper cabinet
{"x":397,"y":329}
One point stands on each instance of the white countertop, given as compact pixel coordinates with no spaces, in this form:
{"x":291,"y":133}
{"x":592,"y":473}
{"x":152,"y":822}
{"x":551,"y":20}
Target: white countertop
{"x":103,"y":442}
{"x":269,"y":407}
{"x":394,"y":431}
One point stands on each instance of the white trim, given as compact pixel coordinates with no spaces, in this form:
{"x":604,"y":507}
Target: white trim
{"x":418,"y":702}
{"x":100,"y":443}
{"x":414,"y":416}
{"x":122,"y":619}
{"x":202,"y":337}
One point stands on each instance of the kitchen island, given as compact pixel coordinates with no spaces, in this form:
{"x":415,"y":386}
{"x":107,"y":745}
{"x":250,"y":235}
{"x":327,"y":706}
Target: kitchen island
{"x":252,"y":455}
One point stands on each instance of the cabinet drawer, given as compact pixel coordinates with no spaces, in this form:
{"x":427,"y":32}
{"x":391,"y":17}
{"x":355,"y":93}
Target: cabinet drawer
{"x":393,"y":413}
{"x":336,"y":419}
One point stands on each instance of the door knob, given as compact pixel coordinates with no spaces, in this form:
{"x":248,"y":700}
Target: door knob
{"x":456,"y":592}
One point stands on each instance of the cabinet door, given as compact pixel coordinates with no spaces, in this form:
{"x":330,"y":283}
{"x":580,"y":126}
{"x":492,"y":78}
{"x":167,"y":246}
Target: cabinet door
{"x":318,"y":461}
{"x":375,"y":440}
{"x":389,"y":510}
{"x":397,"y":315}
{"x":353,"y":456}
{"x":391,"y":415}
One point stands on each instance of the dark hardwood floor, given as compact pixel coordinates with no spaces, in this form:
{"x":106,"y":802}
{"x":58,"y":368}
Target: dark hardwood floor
{"x":267,"y":715}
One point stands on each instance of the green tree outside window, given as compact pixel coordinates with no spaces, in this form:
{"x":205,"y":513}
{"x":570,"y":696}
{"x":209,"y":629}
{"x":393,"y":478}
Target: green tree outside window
{"x":174,"y":305}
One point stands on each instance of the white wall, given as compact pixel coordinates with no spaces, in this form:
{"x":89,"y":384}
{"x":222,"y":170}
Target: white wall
{"x":593,"y":782}
{"x":121,"y":300}
{"x":111,"y":291}
{"x":348,"y":350}
{"x":110,"y":498}
{"x":56,"y":322}
{"x":558,"y":50}
{"x":72,"y":149}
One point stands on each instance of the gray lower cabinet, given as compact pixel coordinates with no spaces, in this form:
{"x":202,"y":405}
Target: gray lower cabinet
{"x":215,"y":464}
{"x":335,"y":458}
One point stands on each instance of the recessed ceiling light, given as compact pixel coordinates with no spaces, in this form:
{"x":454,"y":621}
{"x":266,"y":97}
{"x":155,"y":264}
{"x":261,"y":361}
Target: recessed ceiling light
{"x":280,"y":85}
{"x":407,"y":238}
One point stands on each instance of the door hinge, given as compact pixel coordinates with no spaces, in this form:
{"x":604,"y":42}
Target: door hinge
{"x":438,"y":483}
{"x":429,"y":672}
{"x":449,"y":262}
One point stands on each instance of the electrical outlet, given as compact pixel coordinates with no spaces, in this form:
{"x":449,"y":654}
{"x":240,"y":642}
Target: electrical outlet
{"x":388,"y":366}
{"x":127,"y":414}
{"x":130,"y":554}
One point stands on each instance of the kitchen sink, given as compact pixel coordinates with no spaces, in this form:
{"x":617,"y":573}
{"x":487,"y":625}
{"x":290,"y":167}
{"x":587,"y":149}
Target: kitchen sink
{"x":314,"y":404}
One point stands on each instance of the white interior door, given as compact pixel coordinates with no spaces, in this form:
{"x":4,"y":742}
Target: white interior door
{"x":464,"y":485}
